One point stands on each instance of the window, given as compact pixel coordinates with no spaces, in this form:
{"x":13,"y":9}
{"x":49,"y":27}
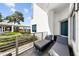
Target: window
{"x":72,"y":24}
{"x":34,"y":28}
{"x":64,"y":28}
{"x":72,"y":27}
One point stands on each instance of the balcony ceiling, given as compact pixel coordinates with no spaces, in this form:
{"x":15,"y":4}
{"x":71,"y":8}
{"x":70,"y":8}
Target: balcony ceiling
{"x":57,"y":7}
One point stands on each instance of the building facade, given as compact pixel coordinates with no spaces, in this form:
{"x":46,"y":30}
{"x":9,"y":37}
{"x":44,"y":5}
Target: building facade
{"x":11,"y":27}
{"x":57,"y":19}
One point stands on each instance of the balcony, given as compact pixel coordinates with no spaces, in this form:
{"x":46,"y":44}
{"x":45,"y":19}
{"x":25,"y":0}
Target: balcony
{"x":24,"y":46}
{"x":19,"y":44}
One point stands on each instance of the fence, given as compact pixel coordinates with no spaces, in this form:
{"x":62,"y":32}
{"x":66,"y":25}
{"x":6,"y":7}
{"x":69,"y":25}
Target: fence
{"x":21,"y":44}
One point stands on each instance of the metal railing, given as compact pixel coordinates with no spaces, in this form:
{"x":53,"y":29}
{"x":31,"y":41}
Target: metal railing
{"x":20,"y":44}
{"x":40,"y":35}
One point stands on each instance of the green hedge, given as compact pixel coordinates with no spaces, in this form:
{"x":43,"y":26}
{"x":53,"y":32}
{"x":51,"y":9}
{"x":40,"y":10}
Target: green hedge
{"x":9,"y":33}
{"x":8,"y":43}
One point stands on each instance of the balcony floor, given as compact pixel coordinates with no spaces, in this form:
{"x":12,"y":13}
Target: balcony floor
{"x":32,"y":52}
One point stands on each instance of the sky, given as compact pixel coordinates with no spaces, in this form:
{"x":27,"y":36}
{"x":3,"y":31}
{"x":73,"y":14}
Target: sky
{"x":26,"y":8}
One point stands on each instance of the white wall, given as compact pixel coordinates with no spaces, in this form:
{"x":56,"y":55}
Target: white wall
{"x":40,"y":18}
{"x":72,"y":43}
{"x":51,"y":21}
{"x":48,"y":22}
{"x":59,"y":16}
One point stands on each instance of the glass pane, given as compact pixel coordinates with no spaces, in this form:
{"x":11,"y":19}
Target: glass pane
{"x":34,"y":28}
{"x":64,"y":28}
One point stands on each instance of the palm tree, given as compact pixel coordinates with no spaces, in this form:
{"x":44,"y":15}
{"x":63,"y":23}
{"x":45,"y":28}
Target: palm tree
{"x":16,"y":17}
{"x":1,"y":18}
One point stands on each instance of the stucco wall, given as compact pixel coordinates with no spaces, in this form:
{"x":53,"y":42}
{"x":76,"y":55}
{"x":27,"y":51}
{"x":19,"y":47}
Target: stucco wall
{"x":40,"y":18}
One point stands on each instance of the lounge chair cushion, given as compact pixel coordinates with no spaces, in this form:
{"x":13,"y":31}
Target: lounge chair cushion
{"x":41,"y":44}
{"x":62,"y":40}
{"x":49,"y":37}
{"x":59,"y":49}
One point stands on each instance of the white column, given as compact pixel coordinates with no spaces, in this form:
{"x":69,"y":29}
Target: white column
{"x":2,"y":28}
{"x":12,"y":28}
{"x":69,"y":31}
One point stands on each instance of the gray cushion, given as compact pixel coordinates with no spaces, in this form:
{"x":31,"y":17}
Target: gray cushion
{"x":49,"y":37}
{"x":60,"y":49}
{"x":40,"y":44}
{"x":62,"y":40}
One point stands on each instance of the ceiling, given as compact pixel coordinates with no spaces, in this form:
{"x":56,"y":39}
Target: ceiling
{"x":53,"y":6}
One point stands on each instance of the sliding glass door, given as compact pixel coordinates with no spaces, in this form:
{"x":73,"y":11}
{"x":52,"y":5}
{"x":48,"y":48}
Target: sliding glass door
{"x":64,"y":28}
{"x":73,"y":24}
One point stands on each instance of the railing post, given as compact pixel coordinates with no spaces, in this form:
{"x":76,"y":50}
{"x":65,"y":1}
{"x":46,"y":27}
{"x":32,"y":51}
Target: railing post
{"x":42,"y":36}
{"x":34,"y":36}
{"x":16,"y":46}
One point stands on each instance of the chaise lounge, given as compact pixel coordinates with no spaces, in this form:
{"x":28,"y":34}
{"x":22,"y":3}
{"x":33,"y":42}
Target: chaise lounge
{"x":42,"y":44}
{"x":60,"y":48}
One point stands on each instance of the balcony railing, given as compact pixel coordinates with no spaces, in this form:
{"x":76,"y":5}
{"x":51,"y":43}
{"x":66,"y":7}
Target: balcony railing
{"x":17,"y":45}
{"x":40,"y":35}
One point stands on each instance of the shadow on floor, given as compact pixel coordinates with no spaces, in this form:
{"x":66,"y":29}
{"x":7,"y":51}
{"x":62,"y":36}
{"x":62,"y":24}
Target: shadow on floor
{"x":32,"y":52}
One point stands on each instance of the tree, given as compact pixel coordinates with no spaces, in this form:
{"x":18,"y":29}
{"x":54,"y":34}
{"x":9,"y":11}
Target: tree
{"x":19,"y":17}
{"x":1,"y":18}
{"x":10,"y":19}
{"x":16,"y":17}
